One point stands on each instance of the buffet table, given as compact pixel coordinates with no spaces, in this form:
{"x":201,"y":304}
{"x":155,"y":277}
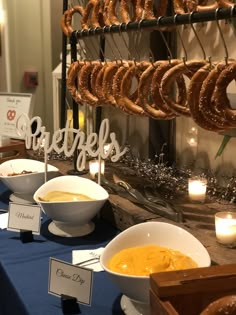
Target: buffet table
{"x":24,"y":269}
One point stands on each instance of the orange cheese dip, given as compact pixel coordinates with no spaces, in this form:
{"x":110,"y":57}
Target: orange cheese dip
{"x":144,"y":260}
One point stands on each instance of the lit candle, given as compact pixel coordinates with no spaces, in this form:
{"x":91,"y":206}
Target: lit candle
{"x":106,"y":147}
{"x":225,"y":226}
{"x":69,"y":117}
{"x":197,"y":189}
{"x":80,"y":118}
{"x":94,"y":167}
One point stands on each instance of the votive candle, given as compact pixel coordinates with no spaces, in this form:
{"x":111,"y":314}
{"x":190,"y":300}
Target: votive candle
{"x":225,"y":227}
{"x":94,"y":167}
{"x":197,"y":189}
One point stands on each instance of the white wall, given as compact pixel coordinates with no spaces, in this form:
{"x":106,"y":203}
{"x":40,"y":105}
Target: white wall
{"x":30,"y":49}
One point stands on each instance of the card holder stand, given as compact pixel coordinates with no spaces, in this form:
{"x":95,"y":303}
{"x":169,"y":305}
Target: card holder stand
{"x":69,"y":305}
{"x":26,"y":236}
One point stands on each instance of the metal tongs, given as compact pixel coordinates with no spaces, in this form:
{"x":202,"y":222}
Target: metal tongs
{"x":157,"y":206}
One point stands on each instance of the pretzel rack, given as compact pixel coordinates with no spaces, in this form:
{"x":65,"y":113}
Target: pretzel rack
{"x":154,"y":24}
{"x":178,"y":19}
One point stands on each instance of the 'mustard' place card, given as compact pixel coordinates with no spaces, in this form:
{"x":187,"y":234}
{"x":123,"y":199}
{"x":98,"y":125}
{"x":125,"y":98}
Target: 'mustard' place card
{"x":70,"y":280}
{"x":24,"y":217}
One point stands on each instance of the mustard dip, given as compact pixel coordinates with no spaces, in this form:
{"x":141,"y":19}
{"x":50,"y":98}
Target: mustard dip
{"x":64,"y":196}
{"x":144,"y":260}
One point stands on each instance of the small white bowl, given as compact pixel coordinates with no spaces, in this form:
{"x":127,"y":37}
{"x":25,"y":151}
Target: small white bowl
{"x":72,"y":218}
{"x":163,"y":234}
{"x":26,"y":184}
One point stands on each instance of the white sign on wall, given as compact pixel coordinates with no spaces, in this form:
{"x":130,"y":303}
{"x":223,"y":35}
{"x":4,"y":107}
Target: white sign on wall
{"x":12,"y":106}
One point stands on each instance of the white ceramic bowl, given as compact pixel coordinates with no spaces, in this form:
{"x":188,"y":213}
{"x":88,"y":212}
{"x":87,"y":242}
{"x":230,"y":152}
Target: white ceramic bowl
{"x":72,"y":218}
{"x":160,"y":233}
{"x":25,"y":184}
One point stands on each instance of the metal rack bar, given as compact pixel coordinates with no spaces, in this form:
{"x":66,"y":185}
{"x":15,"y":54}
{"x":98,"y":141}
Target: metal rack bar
{"x":178,"y":19}
{"x":63,"y":75}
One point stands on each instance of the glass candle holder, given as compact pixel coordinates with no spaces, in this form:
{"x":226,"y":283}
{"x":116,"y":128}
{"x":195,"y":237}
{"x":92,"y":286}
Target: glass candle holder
{"x":197,"y":189}
{"x":225,"y":228}
{"x":94,"y":167}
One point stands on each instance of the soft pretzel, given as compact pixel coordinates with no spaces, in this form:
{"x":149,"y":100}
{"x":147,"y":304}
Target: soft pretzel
{"x":72,"y":75}
{"x":159,"y":102}
{"x":98,"y":85}
{"x":207,"y":100}
{"x":225,"y":3}
{"x":139,"y":10}
{"x":187,"y":68}
{"x":220,"y":93}
{"x":144,"y":93}
{"x":66,"y":19}
{"x":94,"y":75}
{"x":183,"y":6}
{"x":134,"y":71}
{"x":202,"y":8}
{"x":90,"y":17}
{"x":83,"y":84}
{"x":194,"y":89}
{"x":126,"y":7}
{"x":116,"y":86}
{"x":152,"y":12}
{"x":107,"y":82}
{"x":225,"y":305}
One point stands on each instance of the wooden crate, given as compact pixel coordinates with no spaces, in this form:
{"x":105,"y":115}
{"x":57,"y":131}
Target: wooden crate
{"x":189,"y":292}
{"x":15,"y":149}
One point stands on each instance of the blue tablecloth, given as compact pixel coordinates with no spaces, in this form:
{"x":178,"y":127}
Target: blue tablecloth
{"x":24,"y":271}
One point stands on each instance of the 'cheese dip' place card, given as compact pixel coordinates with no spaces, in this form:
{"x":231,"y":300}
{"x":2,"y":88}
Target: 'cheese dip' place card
{"x":24,"y":217}
{"x":70,"y":280}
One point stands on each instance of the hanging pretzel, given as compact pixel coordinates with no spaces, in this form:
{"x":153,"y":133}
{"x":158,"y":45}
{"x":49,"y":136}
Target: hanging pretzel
{"x":144,"y":93}
{"x":139,"y":10}
{"x":107,"y":83}
{"x":66,"y":19}
{"x":126,"y":7}
{"x":96,"y":69}
{"x":158,"y":100}
{"x":225,"y":3}
{"x":72,"y":81}
{"x":90,"y":17}
{"x":99,"y":86}
{"x":84,"y":86}
{"x":196,"y":110}
{"x":116,"y":86}
{"x":152,"y":12}
{"x":220,"y":93}
{"x":134,"y":71}
{"x":183,"y":6}
{"x":187,"y":68}
{"x":207,"y":100}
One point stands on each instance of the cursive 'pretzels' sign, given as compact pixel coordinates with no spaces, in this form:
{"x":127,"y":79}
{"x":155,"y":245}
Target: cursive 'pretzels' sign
{"x":91,"y":145}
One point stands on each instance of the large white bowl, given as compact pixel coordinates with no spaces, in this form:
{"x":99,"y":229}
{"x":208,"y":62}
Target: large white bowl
{"x":26,"y":184}
{"x":164,"y":234}
{"x":72,"y":218}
